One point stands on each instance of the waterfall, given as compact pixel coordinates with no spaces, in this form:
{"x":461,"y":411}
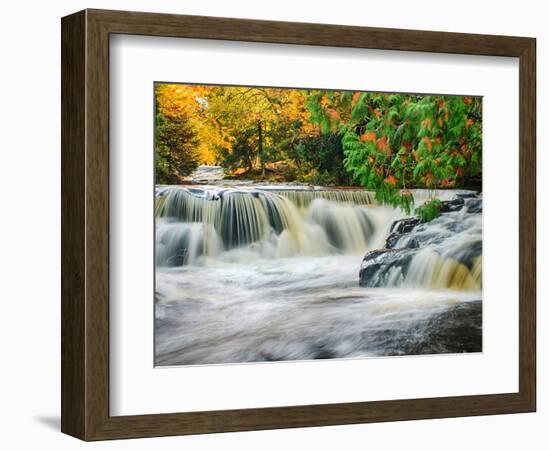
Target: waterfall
{"x":347,"y":227}
{"x":444,"y":253}
{"x":421,"y":195}
{"x":180,"y":243}
{"x":303,"y":198}
{"x":195,"y":222}
{"x":196,"y":225}
{"x":432,"y":270}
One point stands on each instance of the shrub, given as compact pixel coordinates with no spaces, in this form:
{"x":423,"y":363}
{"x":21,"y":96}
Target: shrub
{"x":429,"y":210}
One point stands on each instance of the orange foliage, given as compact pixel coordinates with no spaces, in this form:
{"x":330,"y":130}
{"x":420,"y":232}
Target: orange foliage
{"x":391,"y":180}
{"x":368,"y":137}
{"x":428,"y":178}
{"x":383,"y":145}
{"x":428,"y":142}
{"x":355,"y":99}
{"x":333,"y":114}
{"x":447,"y":183}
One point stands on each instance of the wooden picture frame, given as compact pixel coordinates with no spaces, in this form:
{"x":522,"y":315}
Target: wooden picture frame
{"x":85,"y":224}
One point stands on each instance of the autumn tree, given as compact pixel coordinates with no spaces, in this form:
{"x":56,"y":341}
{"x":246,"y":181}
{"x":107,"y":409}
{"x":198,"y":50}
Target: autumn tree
{"x":393,"y":142}
{"x":175,"y":136}
{"x":259,"y":121}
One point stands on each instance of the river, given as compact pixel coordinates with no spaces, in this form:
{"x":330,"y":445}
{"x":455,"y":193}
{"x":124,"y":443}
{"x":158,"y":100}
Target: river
{"x":271,"y":273}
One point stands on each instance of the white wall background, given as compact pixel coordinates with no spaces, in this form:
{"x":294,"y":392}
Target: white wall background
{"x":30,"y":226}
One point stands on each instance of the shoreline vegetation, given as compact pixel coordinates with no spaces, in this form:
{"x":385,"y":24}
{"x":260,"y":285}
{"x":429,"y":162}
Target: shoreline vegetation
{"x":387,"y":143}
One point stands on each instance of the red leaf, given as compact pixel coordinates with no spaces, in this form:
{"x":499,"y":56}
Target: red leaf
{"x":391,"y":180}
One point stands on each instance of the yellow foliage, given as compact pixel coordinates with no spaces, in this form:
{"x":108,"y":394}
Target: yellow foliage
{"x":216,"y":111}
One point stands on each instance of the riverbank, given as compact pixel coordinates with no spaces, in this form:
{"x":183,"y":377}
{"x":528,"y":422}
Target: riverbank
{"x":217,"y":175}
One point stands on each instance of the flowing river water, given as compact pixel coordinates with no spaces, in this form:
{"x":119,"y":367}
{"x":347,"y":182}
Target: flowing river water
{"x":271,"y":273}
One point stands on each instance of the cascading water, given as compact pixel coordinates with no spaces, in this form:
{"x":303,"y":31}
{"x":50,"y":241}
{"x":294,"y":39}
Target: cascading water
{"x":195,"y":222}
{"x":445,"y":253}
{"x":272,"y":273}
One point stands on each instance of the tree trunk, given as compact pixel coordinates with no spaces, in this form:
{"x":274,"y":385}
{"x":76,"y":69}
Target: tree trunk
{"x":261,"y":147}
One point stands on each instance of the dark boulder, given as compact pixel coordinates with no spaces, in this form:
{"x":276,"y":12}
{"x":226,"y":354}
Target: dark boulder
{"x":404,"y":225}
{"x":377,"y":264}
{"x":457,"y":329}
{"x":465,"y":195}
{"x":451,"y":205}
{"x":474,"y":205}
{"x":399,"y":228}
{"x":394,"y":241}
{"x":387,"y":266}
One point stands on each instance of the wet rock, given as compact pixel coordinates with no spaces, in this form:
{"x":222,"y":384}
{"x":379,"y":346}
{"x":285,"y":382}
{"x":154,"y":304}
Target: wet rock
{"x":404,"y":225}
{"x":467,"y":254}
{"x":399,"y":228}
{"x":389,"y":266}
{"x":457,"y":329}
{"x":377,"y":265}
{"x":452,"y":205}
{"x":466,"y":195}
{"x":474,"y":205}
{"x":394,"y":239}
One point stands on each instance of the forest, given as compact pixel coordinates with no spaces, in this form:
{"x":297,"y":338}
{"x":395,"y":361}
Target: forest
{"x":385,"y":142}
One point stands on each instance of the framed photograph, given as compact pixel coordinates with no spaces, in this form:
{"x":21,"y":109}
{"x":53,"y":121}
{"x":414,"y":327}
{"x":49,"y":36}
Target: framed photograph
{"x":273,"y":225}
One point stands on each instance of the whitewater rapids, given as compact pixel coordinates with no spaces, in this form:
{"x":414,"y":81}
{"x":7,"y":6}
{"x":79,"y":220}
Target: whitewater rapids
{"x":273,"y":275}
